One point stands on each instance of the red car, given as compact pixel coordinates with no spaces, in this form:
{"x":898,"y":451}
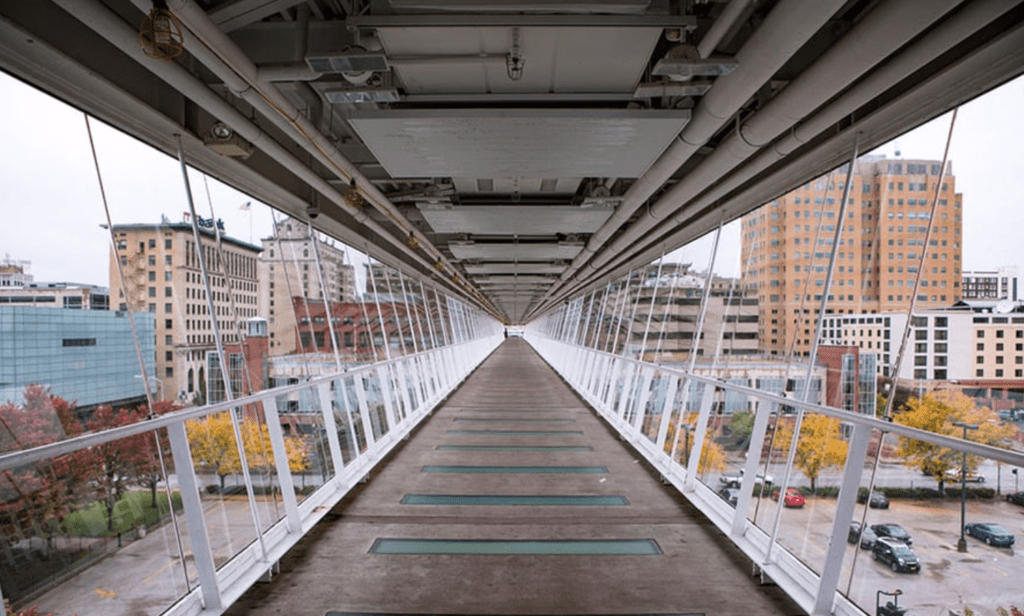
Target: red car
{"x":793,"y":497}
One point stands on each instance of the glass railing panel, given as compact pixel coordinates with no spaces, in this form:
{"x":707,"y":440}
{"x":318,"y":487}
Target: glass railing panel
{"x":978,"y":573}
{"x":82,"y":519}
{"x":306,"y":444}
{"x":375,"y":404}
{"x":656,"y":405}
{"x":215,"y":454}
{"x":682,"y":420}
{"x":804,"y":513}
{"x":346,"y":413}
{"x":259,"y":455}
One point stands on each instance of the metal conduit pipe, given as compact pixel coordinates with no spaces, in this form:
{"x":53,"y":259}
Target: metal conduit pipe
{"x":732,"y":12}
{"x":242,"y":72}
{"x":787,"y":28}
{"x":881,"y":33}
{"x":972,"y":17}
{"x":125,"y":37}
{"x":931,"y":97}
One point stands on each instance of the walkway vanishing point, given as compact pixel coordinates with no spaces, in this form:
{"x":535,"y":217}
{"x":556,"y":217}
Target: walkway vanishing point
{"x":514,"y":498}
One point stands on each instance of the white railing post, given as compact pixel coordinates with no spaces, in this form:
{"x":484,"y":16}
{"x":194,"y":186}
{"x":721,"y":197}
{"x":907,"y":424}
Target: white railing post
{"x":847,"y":500}
{"x":198,"y":534}
{"x":757,"y":434}
{"x":323,"y":391}
{"x":284,"y":472}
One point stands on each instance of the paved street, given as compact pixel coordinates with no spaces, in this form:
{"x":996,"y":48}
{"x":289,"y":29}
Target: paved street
{"x":983,"y":578}
{"x":146,"y":575}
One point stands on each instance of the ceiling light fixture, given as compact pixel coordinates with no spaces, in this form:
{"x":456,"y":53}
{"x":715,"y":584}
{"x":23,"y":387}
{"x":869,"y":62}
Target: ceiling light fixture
{"x":515,"y":62}
{"x":683,"y":62}
{"x":352,"y":195}
{"x":161,"y":33}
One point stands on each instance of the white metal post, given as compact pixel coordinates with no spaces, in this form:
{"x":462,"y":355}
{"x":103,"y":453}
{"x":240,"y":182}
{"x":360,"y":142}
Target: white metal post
{"x":284,"y":472}
{"x":198,"y":534}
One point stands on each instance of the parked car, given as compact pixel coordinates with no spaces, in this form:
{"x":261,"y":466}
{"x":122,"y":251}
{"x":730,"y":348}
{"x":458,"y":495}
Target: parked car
{"x":729,"y":495}
{"x":892,"y":531}
{"x":896,"y":554}
{"x":992,"y":534}
{"x":867,"y":538}
{"x":792,"y":499}
{"x":877,"y":500}
{"x":1016,"y":498}
{"x":733,"y":480}
{"x":953,"y":474}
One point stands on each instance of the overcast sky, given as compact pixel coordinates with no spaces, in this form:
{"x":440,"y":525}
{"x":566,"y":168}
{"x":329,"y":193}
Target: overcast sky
{"x":52,"y":208}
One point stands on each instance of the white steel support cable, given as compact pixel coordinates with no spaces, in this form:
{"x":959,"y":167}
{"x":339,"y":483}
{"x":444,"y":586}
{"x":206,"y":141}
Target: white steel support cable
{"x":229,"y":394}
{"x":650,"y":310}
{"x":147,"y":388}
{"x":819,"y":325}
{"x":897,"y":364}
{"x":315,"y":240}
{"x":662,"y":331}
{"x":408,"y":317}
{"x":394,"y":313}
{"x":380,"y":315}
{"x":440,"y":318}
{"x":362,"y":305}
{"x":304,"y":357}
{"x":624,"y":292}
{"x":223,"y":268}
{"x":702,"y":420}
{"x":889,"y":403}
{"x":611,"y":317}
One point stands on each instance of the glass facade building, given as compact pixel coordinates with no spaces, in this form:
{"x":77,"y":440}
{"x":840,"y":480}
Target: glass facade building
{"x":87,"y":356}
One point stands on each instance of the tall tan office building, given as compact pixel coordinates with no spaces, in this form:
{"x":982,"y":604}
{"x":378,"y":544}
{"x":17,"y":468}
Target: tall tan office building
{"x":787,"y":244}
{"x":288,"y":269}
{"x":161,"y":268}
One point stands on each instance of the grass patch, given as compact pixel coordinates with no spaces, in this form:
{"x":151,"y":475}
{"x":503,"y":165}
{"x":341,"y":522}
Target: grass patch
{"x":133,"y":510}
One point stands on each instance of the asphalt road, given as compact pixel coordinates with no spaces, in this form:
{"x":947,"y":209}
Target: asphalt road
{"x":983,"y":578}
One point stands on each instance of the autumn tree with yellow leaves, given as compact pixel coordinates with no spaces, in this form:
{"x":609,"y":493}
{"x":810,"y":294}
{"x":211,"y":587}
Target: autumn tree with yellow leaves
{"x":712,"y":458}
{"x":821,"y":445}
{"x":936,"y":413}
{"x":212,"y":441}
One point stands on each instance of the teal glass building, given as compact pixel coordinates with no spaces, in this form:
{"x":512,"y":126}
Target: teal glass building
{"x":87,"y":356}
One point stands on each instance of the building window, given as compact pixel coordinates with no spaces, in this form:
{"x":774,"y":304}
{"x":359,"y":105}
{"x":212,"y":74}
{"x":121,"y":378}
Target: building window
{"x":167,"y":260}
{"x":152,"y":260}
{"x":169,"y":371}
{"x":167,"y":324}
{"x":169,"y":355}
{"x":168,"y":308}
{"x":78,"y":342}
{"x":167,"y":244}
{"x":168,"y":339}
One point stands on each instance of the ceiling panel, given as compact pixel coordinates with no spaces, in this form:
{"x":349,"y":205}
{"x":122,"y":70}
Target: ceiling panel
{"x":513,"y":268}
{"x":515,"y":220}
{"x":510,"y":280}
{"x":557,"y":59}
{"x":534,"y":143}
{"x":476,"y":251}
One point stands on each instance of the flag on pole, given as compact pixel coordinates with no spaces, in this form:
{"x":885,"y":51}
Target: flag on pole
{"x":246,"y":206}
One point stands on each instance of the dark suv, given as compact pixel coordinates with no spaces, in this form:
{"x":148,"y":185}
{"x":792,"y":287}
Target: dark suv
{"x":896,"y":554}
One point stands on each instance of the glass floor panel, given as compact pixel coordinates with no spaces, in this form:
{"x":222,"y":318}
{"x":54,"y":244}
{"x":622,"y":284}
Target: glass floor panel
{"x":510,"y":500}
{"x":514,"y":420}
{"x":567,"y":470}
{"x":518,"y":432}
{"x":607,"y":547}
{"x":514,"y":448}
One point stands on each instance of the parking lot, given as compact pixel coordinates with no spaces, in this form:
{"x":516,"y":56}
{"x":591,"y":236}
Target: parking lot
{"x":983,"y":578}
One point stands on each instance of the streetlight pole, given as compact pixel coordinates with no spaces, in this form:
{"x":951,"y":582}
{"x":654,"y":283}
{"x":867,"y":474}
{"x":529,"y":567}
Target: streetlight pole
{"x":961,"y":546}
